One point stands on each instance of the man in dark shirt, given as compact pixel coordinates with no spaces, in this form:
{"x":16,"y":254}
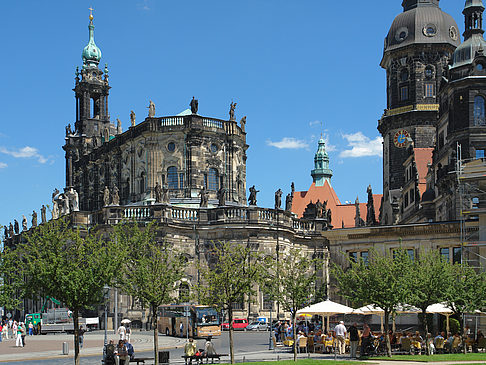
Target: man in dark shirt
{"x":353,"y":339}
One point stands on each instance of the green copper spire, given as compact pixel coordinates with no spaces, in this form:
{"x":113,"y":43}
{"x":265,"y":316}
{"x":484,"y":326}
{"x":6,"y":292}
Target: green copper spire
{"x":321,"y":172}
{"x":91,"y":53}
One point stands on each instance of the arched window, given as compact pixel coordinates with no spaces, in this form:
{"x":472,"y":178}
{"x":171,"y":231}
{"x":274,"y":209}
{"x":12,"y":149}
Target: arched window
{"x":479,"y":117}
{"x":172,"y":178}
{"x":213,"y":180}
{"x":184,"y":292}
{"x":142,"y":183}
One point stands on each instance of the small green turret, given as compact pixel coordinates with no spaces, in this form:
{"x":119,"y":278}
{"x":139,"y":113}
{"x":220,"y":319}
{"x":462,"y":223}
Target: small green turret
{"x":321,"y":172}
{"x":91,"y":53}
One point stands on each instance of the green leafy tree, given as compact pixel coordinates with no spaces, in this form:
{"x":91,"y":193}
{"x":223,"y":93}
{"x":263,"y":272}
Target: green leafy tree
{"x":12,"y":288}
{"x":69,"y":265}
{"x":232,"y":271}
{"x":151,"y":269}
{"x":466,"y":291}
{"x":295,"y":286}
{"x":382,"y":281}
{"x":428,"y":283}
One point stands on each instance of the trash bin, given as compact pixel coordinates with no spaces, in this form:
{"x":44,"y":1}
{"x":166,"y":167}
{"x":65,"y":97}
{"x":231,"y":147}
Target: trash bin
{"x":163,"y":357}
{"x":65,"y":348}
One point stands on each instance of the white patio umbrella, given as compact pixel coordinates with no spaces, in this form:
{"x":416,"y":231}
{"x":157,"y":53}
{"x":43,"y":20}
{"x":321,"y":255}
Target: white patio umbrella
{"x":326,"y":308}
{"x":126,"y":321}
{"x":441,"y":308}
{"x":371,"y":309}
{"x":404,"y":309}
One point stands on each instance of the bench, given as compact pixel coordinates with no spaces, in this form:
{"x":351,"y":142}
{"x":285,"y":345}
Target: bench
{"x":142,"y":360}
{"x":200,"y":359}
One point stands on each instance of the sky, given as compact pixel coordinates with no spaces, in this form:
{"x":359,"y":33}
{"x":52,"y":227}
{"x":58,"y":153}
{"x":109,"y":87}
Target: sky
{"x":296,"y":68}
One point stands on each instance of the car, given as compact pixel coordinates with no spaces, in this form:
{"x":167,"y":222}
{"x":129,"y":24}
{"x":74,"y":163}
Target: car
{"x":239,"y":324}
{"x":257,"y":326}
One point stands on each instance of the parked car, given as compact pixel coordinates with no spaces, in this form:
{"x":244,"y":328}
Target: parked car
{"x":257,"y":326}
{"x":239,"y":324}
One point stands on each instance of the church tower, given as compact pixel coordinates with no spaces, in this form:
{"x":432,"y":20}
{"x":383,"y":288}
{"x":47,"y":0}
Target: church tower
{"x":321,"y":172}
{"x":417,"y":49}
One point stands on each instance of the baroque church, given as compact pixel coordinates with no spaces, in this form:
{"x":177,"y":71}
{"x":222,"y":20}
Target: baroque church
{"x":188,"y":172}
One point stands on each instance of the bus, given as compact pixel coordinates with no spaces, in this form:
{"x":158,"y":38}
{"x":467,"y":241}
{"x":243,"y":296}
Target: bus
{"x":201,"y":321}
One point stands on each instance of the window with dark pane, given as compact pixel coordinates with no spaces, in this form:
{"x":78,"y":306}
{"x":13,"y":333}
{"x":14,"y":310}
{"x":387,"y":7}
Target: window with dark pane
{"x":479,"y":117}
{"x":456,"y":255}
{"x":444,"y":252}
{"x":213,"y":179}
{"x":172,"y":178}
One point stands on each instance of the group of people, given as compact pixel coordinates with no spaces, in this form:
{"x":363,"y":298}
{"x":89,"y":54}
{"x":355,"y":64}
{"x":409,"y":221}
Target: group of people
{"x":192,"y":352}
{"x":123,"y":351}
{"x":15,"y":330}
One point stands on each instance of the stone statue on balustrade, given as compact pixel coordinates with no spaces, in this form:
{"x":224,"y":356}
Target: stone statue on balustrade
{"x":73,"y":199}
{"x":232,"y":111}
{"x":34,"y":219}
{"x":63,"y":204}
{"x":5,"y":232}
{"x":24,"y":223}
{"x":165,"y":195}
{"x":43,"y":214}
{"x":204,"y":194}
{"x":252,"y":200}
{"x":69,"y":131}
{"x":243,"y":124}
{"x":329,"y":216}
{"x":278,"y":199}
{"x":106,"y":196}
{"x":119,"y":129}
{"x":221,"y":197}
{"x":194,"y":105}
{"x":10,"y":230}
{"x":158,"y":193}
{"x":132,"y":118}
{"x":319,"y":209}
{"x":288,"y":203}
{"x":151,"y":109}
{"x":115,"y":196}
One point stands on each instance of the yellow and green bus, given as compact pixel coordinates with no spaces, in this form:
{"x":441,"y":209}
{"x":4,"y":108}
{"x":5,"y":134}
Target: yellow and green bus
{"x":200,"y":321}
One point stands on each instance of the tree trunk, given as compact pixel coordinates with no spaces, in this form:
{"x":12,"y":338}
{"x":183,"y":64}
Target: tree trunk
{"x":462,"y":334}
{"x":294,"y":332}
{"x":156,"y":334}
{"x":231,"y":344}
{"x":387,"y":337}
{"x":426,"y":327}
{"x":76,"y":336}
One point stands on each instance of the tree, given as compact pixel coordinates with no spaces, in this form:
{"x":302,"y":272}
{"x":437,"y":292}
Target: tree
{"x":295,"y":285}
{"x":428,"y":283}
{"x":232,"y":271}
{"x":466,"y":291}
{"x":151,"y":269}
{"x":12,"y":288}
{"x":381,"y":282}
{"x":69,"y":265}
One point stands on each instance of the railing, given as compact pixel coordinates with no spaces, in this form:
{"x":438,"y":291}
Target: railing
{"x":171,"y":121}
{"x":137,"y":213}
{"x":184,"y":214}
{"x":236,"y":214}
{"x":266,"y":215}
{"x":212,"y":123}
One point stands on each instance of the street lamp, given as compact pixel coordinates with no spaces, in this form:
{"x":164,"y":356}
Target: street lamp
{"x":106,"y":296}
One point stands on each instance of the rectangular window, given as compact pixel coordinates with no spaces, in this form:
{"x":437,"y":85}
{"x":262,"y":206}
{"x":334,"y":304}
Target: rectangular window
{"x":441,"y":139}
{"x":365,"y":257}
{"x":429,"y":90}
{"x":404,"y":93}
{"x":456,"y":255}
{"x":411,"y":254}
{"x":479,"y":153}
{"x":444,"y":252}
{"x":353,"y":256}
{"x":412,"y":196}
{"x":406,"y":199}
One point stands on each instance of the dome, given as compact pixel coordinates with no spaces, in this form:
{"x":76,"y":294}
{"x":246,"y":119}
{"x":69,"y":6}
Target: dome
{"x":474,"y":3}
{"x":422,"y":23}
{"x":91,"y":53}
{"x":428,"y":195}
{"x":465,"y":53}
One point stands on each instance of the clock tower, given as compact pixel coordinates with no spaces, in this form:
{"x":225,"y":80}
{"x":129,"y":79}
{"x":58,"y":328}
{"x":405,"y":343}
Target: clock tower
{"x":417,"y":50}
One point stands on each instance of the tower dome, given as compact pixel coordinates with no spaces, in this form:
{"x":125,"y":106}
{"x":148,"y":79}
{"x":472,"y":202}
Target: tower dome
{"x":91,"y":53}
{"x":321,"y":172}
{"x":422,"y":22}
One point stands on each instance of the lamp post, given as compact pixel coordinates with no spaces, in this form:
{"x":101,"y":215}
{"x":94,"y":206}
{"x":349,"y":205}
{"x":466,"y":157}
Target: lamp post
{"x":106,"y":296}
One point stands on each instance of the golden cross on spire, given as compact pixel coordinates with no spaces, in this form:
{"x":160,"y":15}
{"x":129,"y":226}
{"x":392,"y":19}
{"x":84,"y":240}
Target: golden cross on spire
{"x":90,"y":13}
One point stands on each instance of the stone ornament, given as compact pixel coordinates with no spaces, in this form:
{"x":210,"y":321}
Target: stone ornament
{"x":194,"y":105}
{"x":43,"y":214}
{"x":132,"y":118}
{"x":204,"y":194}
{"x":151,"y":109}
{"x":34,"y":219}
{"x":278,"y":198}
{"x":232,"y":111}
{"x":106,"y":196}
{"x":115,"y":196}
{"x":24,"y":223}
{"x":252,"y":200}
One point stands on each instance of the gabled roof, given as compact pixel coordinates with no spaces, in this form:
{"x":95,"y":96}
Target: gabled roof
{"x":341,"y":213}
{"x":423,"y":157}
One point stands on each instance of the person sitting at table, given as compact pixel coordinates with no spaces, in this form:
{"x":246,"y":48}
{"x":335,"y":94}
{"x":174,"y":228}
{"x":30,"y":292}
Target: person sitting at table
{"x":456,"y":341}
{"x":109,"y":353}
{"x":448,"y":342}
{"x":122,"y":353}
{"x":366,"y":339}
{"x":130,"y":349}
{"x":190,"y":349}
{"x":209,"y":347}
{"x":417,"y":342}
{"x":329,"y":342}
{"x":430,"y":344}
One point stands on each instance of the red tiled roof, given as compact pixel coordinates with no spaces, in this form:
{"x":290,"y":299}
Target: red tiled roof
{"x":423,"y":156}
{"x":341,"y":213}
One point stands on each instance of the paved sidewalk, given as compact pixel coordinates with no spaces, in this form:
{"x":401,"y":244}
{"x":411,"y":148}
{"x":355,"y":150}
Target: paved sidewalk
{"x":50,"y":346}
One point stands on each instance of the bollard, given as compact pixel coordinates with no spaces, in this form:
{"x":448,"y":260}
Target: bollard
{"x":278,"y":357}
{"x":244,"y":359}
{"x":65,"y":348}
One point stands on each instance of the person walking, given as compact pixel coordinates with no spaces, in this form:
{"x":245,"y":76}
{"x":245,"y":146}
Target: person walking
{"x":5,"y":331}
{"x":31,"y":329}
{"x":81,"y":332}
{"x":23,"y":332}
{"x":18,"y":336}
{"x":128,"y":334}
{"x":1,"y":330}
{"x":340,"y":331}
{"x":353,"y":340}
{"x":190,"y":349}
{"x":122,"y":331}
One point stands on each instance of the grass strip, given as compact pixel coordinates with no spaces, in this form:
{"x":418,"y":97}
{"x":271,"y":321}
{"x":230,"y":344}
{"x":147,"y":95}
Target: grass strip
{"x":434,"y":358}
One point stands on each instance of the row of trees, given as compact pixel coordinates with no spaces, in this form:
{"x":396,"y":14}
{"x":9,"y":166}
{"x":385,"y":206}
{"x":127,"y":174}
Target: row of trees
{"x":394,"y":279}
{"x":73,"y":265}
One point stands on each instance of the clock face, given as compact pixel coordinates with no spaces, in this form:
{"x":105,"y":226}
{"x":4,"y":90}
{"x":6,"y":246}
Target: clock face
{"x":400,"y":138}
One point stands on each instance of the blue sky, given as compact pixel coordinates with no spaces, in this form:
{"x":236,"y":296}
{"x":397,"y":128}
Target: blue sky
{"x":291,"y":65}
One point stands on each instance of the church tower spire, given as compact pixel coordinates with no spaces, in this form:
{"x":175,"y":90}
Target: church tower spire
{"x":321,"y":172}
{"x":473,"y":18}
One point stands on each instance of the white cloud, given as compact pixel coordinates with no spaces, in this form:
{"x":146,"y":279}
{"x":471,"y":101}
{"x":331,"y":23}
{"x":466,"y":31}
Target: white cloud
{"x":289,"y":143}
{"x":362,"y":146}
{"x":3,"y":165}
{"x":25,"y":152}
{"x":144,"y":5}
{"x":314,"y":123}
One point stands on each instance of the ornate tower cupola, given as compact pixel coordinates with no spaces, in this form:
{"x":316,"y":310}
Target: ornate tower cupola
{"x":92,"y":89}
{"x":321,"y":172}
{"x":473,"y":14}
{"x":412,"y":4}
